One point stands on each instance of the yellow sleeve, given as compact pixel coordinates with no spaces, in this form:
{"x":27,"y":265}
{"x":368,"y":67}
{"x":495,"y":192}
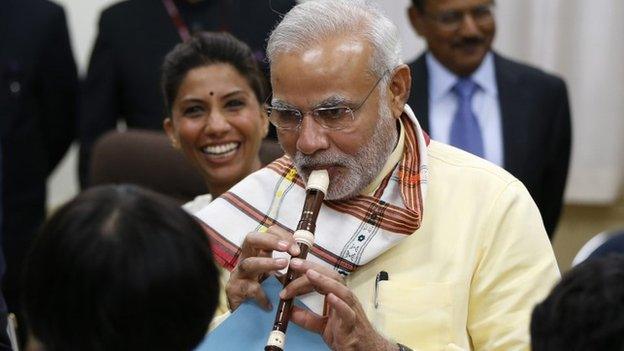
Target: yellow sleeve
{"x":516,"y":270}
{"x":222,"y":311}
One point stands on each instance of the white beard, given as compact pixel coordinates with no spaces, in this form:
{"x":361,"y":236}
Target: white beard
{"x":363,"y":167}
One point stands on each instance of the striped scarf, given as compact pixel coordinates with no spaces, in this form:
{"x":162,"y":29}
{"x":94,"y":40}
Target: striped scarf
{"x":349,"y":233}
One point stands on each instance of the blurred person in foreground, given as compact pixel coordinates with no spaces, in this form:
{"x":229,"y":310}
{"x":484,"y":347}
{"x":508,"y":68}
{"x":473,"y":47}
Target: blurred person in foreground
{"x":38,"y":88}
{"x":120,"y":268}
{"x":460,"y":240}
{"x":214,"y":92}
{"x":585,"y":311}
{"x":467,"y":95}
{"x":133,"y":38}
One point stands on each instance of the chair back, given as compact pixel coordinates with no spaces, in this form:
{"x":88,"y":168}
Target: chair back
{"x":601,"y":245}
{"x":146,"y":158}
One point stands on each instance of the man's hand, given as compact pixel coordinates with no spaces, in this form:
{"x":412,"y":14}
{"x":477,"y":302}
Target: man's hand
{"x":255,"y":262}
{"x":346,"y":326}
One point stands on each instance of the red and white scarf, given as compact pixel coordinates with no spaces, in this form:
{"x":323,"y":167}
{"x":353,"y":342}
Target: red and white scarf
{"x":349,"y":233}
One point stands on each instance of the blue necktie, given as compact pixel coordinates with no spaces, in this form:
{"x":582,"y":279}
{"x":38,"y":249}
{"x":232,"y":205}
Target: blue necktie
{"x":465,"y":130}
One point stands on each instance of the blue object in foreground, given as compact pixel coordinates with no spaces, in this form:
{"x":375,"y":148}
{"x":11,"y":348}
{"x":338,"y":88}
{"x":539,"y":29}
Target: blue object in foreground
{"x":249,"y":326}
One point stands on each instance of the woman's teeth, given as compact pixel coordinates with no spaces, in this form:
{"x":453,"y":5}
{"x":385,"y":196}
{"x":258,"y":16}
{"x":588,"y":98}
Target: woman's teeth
{"x":219,"y":150}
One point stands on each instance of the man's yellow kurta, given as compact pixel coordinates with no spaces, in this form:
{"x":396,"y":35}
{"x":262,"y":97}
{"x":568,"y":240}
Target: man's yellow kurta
{"x":469,"y":277}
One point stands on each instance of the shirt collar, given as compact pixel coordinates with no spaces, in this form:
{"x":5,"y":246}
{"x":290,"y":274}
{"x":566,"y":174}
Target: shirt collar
{"x":485,"y":76}
{"x":441,"y":80}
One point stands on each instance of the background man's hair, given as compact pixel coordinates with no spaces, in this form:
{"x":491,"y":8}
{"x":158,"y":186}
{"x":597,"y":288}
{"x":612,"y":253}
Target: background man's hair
{"x":585,"y":311}
{"x":419,"y":5}
{"x":314,"y":21}
{"x":120,"y":268}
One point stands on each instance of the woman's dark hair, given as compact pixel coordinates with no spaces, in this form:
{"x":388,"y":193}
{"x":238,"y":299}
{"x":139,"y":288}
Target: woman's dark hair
{"x":205,"y":49}
{"x":120,"y":268}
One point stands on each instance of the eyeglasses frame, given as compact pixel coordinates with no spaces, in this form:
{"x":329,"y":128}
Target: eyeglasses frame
{"x":300,"y":114}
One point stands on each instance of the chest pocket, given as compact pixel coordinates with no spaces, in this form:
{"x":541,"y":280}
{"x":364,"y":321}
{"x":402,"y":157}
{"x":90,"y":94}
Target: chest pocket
{"x":418,"y":315}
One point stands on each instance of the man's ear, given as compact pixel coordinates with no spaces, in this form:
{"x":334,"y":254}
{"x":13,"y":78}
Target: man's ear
{"x":265,"y":121}
{"x":400,"y":85}
{"x":416,"y":19}
{"x":168,"y":127}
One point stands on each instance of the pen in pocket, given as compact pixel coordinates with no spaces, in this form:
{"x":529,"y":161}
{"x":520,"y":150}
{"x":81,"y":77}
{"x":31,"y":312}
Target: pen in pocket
{"x":383,"y":275}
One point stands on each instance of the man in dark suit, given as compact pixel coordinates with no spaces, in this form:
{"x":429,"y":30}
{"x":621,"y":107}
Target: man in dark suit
{"x":4,"y":336}
{"x":124,"y":71}
{"x":38,"y":86}
{"x":467,"y":95}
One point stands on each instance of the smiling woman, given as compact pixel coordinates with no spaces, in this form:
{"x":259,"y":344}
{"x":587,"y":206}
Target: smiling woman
{"x":213,"y":93}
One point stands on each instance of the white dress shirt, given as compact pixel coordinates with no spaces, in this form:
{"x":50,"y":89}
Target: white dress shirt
{"x":485,"y":105}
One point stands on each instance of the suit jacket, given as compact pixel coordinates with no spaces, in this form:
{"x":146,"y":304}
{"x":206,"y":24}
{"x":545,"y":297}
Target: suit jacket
{"x":5,"y":342}
{"x":535,"y":116}
{"x":38,"y":86}
{"x":123,"y":79}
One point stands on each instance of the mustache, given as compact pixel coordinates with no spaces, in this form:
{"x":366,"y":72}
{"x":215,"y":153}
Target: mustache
{"x":309,"y":162}
{"x":469,"y":41}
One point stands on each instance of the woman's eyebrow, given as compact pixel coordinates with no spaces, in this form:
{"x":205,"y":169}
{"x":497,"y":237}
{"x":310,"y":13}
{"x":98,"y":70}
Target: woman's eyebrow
{"x":192,"y":99}
{"x":234,"y":93}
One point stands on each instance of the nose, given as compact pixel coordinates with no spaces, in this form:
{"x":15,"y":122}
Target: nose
{"x":469,"y":26}
{"x":312,"y":137}
{"x":216,"y":124}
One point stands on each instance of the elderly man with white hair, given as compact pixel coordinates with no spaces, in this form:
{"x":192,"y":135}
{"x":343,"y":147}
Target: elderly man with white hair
{"x":418,"y":245}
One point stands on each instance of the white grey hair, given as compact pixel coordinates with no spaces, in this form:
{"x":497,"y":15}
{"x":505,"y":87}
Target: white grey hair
{"x":313,"y":21}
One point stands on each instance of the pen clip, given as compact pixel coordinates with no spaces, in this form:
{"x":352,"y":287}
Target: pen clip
{"x":382,"y":275}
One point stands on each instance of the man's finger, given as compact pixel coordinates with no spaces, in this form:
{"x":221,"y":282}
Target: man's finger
{"x":343,"y":311}
{"x":256,"y":241}
{"x":297,"y":287}
{"x":256,"y":292}
{"x":244,"y":289}
{"x":254,"y":266}
{"x":308,"y":319}
{"x":286,"y":236}
{"x":301,"y":266}
{"x":236,"y":292}
{"x":325,"y":285}
{"x":234,"y":302}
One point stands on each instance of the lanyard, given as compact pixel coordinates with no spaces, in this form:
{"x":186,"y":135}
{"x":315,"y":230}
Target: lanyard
{"x":177,"y":20}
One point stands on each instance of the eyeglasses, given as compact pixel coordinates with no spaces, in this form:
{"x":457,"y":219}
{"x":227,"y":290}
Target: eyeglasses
{"x":452,"y":20}
{"x":333,"y":118}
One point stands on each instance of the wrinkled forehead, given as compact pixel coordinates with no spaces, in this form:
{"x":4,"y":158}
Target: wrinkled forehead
{"x":335,"y":66}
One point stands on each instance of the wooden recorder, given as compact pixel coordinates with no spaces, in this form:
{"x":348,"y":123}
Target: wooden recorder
{"x":316,"y":188}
